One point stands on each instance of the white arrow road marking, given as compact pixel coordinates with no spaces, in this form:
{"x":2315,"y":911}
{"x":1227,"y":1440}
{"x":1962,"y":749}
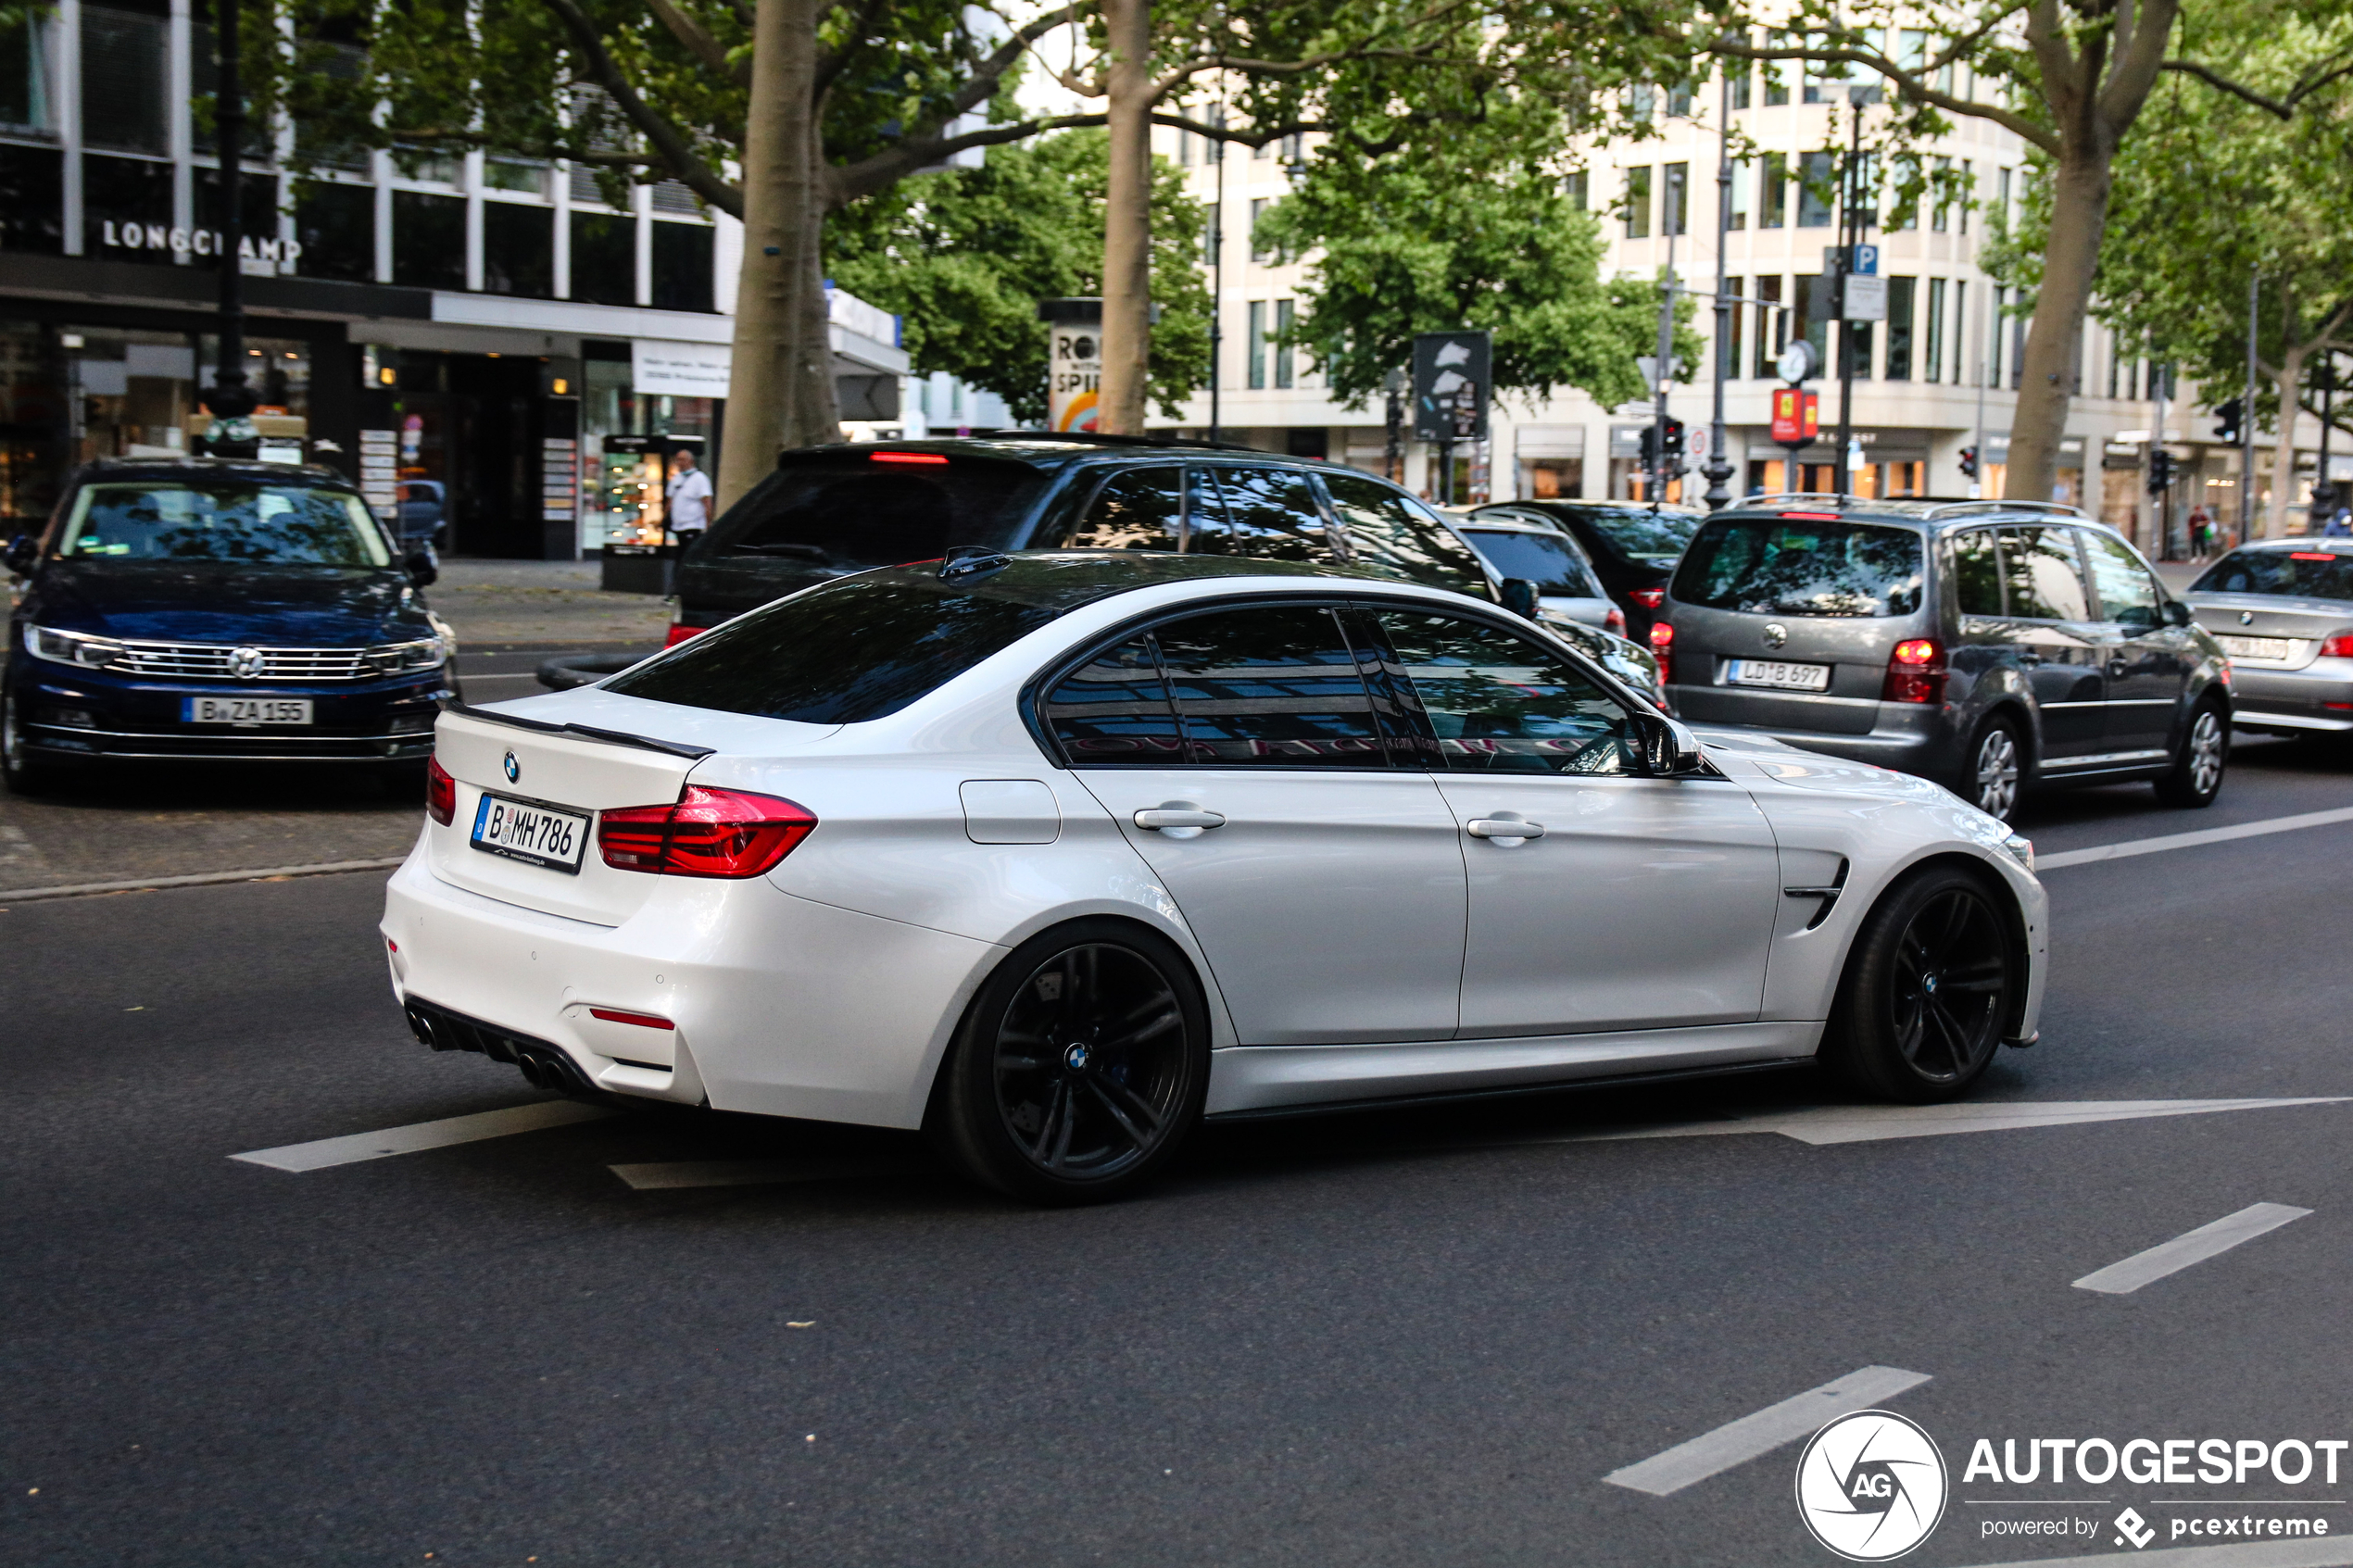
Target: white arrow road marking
{"x":1869,"y":1123}
{"x":2336,"y":1551}
{"x":2195,"y":1246}
{"x":749,"y":1173}
{"x":425,"y":1135}
{"x":2188,"y":840}
{"x":1751,"y":1437}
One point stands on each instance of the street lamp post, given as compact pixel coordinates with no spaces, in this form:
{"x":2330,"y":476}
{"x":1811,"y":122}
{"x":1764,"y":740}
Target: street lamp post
{"x":1850,"y":234}
{"x":1719,"y":462}
{"x":1660,"y":367}
{"x":229,"y":400}
{"x":1217,"y":285}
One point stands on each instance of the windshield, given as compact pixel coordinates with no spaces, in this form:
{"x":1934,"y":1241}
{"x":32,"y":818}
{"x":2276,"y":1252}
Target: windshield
{"x":167,"y":520}
{"x":1546,"y":560}
{"x":1654,"y":540}
{"x":851,"y":510}
{"x":2297,"y":574}
{"x":1779,"y":566}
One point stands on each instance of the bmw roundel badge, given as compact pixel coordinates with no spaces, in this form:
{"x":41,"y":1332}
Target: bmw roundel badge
{"x":514,"y":768}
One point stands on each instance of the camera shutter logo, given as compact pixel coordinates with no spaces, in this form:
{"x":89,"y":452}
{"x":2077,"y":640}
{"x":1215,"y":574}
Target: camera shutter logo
{"x":1871,"y":1485}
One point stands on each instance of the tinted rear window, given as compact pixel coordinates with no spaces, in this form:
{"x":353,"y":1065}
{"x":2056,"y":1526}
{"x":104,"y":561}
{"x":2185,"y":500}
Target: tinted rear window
{"x":1546,"y":560}
{"x":1655,"y":540}
{"x":860,"y":649}
{"x":851,"y":510}
{"x":1778,"y":566}
{"x":2302,"y":574}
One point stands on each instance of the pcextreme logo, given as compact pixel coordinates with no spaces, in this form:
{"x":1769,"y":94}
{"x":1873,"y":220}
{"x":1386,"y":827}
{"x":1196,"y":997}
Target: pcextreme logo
{"x":1870,"y":1486}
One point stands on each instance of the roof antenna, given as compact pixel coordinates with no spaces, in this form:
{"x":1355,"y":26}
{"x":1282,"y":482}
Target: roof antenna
{"x":965,"y":561}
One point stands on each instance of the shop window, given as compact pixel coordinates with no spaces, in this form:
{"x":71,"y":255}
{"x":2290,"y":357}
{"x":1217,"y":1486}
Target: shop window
{"x":257,"y":204}
{"x":32,"y":199}
{"x":518,"y":250}
{"x":1549,"y":478}
{"x":604,"y":258}
{"x":682,"y":267}
{"x":123,"y":199}
{"x":24,"y":72}
{"x":337,"y":227}
{"x":428,"y":240}
{"x":123,"y":87}
{"x":514,"y":174}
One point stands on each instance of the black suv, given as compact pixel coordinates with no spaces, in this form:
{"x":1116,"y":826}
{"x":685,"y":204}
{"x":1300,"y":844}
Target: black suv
{"x":1986,"y":644}
{"x":1633,"y":547}
{"x":828,"y":511}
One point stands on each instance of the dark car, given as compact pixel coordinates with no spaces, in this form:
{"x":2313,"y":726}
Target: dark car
{"x":1991,"y":645}
{"x":424,"y":520}
{"x":190,"y":608}
{"x":1633,"y":548}
{"x":828,"y":511}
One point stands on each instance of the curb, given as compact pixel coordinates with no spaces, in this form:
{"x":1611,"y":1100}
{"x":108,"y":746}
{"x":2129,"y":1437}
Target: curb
{"x":203,"y":879}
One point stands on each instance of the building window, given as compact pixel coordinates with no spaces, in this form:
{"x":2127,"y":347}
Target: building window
{"x":1738,"y":196}
{"x":1638,"y":203}
{"x":1804,"y":325}
{"x":1994,"y":333}
{"x":1283,"y":352}
{"x":1742,"y":73}
{"x":123,"y":87}
{"x":1257,"y":344}
{"x":1961,"y":331}
{"x":1940,"y":205}
{"x":2017,"y":348}
{"x":1678,"y":101}
{"x":604,"y":258}
{"x":1934,"y":358}
{"x":1857,"y":338}
{"x":1257,"y":210}
{"x":24,"y":72}
{"x":1772,"y":192}
{"x":1817,"y":185}
{"x":1677,"y":217}
{"x":1770,"y":323}
{"x":1969,"y":191}
{"x":2002,"y":201}
{"x":518,"y":250}
{"x":33,"y":202}
{"x":428,"y":240}
{"x":1900,"y":293}
{"x":1209,"y":233}
{"x":1776,"y":73}
{"x":123,"y":198}
{"x":336,"y":225}
{"x":1579,"y":187}
{"x":1728,"y":348}
{"x":1907,"y":212}
{"x":682,"y":267}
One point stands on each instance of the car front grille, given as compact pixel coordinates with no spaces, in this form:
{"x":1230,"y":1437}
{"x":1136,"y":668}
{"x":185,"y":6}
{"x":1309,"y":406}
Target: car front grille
{"x":215,"y":661}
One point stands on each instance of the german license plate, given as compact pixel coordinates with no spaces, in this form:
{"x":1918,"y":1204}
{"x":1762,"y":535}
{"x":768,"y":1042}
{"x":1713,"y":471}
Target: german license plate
{"x":539,"y":835}
{"x":245,"y":711}
{"x":1774,"y":673}
{"x":2257,"y":647}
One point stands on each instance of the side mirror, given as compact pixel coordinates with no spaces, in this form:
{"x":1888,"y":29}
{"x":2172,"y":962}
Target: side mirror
{"x":1519,"y":596}
{"x":2178,"y":614}
{"x":1670,"y":749}
{"x":22,"y":551}
{"x":423,"y":566}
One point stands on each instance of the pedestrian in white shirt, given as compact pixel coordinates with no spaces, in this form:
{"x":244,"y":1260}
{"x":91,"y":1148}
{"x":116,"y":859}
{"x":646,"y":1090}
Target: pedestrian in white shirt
{"x":689,"y":492}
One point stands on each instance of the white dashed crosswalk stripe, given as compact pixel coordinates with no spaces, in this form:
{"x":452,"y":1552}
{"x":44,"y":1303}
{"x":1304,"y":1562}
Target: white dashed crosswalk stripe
{"x":421,"y":1135}
{"x":2194,"y":1246}
{"x":1751,"y":1437}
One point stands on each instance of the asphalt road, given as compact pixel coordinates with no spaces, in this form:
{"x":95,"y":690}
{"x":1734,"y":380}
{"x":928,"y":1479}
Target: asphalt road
{"x":1403,"y":1339}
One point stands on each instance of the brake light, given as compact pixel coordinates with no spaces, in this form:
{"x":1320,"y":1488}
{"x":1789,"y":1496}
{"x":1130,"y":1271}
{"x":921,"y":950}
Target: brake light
{"x":1615,"y":621}
{"x":1663,"y":648}
{"x":678,"y":633}
{"x":1813,"y":517}
{"x":1649,"y":598}
{"x":2340,"y":647}
{"x":907,"y":458}
{"x":715,"y":832}
{"x":441,"y":792}
{"x":1914,"y":672}
{"x":2311,"y":554}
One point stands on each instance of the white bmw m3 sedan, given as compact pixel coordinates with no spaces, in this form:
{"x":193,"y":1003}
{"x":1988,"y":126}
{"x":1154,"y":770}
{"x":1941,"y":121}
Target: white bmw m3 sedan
{"x":1053,"y":856}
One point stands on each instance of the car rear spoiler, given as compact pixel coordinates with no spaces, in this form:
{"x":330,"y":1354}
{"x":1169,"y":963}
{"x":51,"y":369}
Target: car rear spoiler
{"x":585,"y":732}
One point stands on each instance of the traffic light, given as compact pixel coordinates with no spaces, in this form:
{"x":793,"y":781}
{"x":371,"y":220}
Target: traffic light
{"x":1650,"y":447}
{"x":2160,"y":472}
{"x":2226,"y":421}
{"x":1671,"y":434}
{"x":1968,"y":462}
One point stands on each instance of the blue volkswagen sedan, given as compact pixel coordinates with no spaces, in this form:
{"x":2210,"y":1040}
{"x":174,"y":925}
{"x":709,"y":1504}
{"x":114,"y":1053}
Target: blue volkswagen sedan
{"x":201,"y":608}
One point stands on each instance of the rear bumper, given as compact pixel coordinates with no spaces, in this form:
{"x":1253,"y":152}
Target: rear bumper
{"x":95,"y":715}
{"x":2317,"y":697}
{"x":1908,"y":739}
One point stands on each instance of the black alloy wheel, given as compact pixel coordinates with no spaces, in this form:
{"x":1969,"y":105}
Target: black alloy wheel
{"x":1928,"y":990}
{"x":17,"y":770}
{"x":1081,"y":1068}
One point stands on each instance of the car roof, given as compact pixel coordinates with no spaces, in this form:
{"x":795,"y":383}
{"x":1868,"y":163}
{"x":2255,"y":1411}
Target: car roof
{"x":2336,"y":545}
{"x":1048,"y":449}
{"x":1063,"y":581}
{"x":1928,"y":512}
{"x":1576,"y":503}
{"x":1505,"y":525}
{"x":210,"y":468}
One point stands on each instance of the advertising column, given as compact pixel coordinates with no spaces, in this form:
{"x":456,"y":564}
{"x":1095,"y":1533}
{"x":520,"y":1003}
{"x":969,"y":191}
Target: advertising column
{"x":1073,"y":362}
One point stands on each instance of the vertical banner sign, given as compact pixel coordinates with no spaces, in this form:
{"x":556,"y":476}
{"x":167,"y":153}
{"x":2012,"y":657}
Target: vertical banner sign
{"x":1073,"y":362}
{"x":1796,"y":417}
{"x":1452,"y":382}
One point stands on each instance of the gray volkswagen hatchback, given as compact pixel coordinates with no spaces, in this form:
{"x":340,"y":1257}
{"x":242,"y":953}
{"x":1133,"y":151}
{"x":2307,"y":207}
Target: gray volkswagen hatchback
{"x":1992,"y":646}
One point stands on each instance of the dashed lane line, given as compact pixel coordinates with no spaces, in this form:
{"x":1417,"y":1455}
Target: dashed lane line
{"x":1752,"y":1437}
{"x":204,"y":879}
{"x":2194,"y":1246}
{"x":2063,"y":858}
{"x":421,"y":1135}
{"x":2334,"y":1551}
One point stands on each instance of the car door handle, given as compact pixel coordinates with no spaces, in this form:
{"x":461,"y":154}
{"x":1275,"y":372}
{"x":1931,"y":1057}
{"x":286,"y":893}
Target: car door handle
{"x":1175,"y":817}
{"x":1502,"y":827}
{"x":2029,"y":658}
{"x":2116,"y":667}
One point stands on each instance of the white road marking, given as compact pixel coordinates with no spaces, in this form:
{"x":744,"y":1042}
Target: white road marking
{"x":1869,"y":1123}
{"x":2055,"y":860}
{"x":2333,"y":1551}
{"x":2195,"y":1246}
{"x":449,"y":1130}
{"x":205,"y":879}
{"x":1751,"y":1437}
{"x":749,"y":1173}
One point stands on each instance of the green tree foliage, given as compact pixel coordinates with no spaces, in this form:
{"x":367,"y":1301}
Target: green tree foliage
{"x":1429,"y":223}
{"x":966,"y":255}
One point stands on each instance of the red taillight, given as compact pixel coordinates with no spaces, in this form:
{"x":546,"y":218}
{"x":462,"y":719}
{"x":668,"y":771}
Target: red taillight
{"x":441,"y":792}
{"x":2311,"y":554}
{"x":679,"y":632}
{"x":1914,"y":672}
{"x":1813,"y":517}
{"x":642,"y":1020}
{"x":906,"y":457}
{"x":2337,"y":648}
{"x":721,"y":833}
{"x":1663,"y":648}
{"x":1615,"y":621}
{"x":1649,"y":598}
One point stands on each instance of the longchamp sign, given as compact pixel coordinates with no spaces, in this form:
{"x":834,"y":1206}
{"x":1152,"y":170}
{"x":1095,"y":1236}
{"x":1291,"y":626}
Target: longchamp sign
{"x":192,"y":241}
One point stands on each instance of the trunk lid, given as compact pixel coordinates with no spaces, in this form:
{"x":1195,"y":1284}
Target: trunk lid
{"x":2302,"y":624}
{"x":1855,"y":647}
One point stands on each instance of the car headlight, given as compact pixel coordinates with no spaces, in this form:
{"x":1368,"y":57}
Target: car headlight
{"x":402,"y":658}
{"x":2021,"y":849}
{"x":72,"y":647}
